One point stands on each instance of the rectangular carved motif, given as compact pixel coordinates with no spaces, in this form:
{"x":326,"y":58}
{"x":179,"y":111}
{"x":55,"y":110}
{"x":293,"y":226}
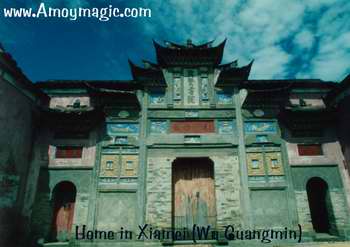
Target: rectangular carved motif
{"x":109,"y":165}
{"x":274,"y":163}
{"x":257,"y":127}
{"x":122,"y":128}
{"x":192,"y":126}
{"x":130,"y":165}
{"x":255,"y":164}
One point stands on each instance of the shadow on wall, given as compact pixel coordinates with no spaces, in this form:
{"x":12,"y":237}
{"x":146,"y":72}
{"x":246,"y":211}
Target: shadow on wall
{"x":12,"y":222}
{"x":42,"y":210}
{"x":321,"y":209}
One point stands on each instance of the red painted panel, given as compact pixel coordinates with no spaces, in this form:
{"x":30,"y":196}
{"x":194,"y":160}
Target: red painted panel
{"x":69,"y":152}
{"x":310,"y":149}
{"x":198,"y":126}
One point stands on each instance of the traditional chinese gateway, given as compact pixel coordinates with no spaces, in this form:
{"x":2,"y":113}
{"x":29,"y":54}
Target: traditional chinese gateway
{"x":188,"y":141}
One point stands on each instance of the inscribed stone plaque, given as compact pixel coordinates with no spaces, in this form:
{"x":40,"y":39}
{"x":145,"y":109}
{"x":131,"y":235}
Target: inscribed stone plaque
{"x":192,"y":126}
{"x":204,"y":89}
{"x":191,"y":90}
{"x":177,"y":89}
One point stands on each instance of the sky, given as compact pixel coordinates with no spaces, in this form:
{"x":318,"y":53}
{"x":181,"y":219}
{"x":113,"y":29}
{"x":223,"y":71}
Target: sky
{"x":286,"y":38}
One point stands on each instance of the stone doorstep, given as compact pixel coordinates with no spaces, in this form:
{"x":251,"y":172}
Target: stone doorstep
{"x":323,"y":244}
{"x":56,"y":244}
{"x":195,"y":245}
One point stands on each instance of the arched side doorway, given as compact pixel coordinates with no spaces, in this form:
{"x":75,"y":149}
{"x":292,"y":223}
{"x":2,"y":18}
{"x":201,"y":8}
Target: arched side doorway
{"x":193,"y":193}
{"x":63,"y":196}
{"x":317,"y":192}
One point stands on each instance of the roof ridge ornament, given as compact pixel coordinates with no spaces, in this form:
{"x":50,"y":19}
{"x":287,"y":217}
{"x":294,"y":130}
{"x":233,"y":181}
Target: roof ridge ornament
{"x":173,"y":55}
{"x":189,"y":43}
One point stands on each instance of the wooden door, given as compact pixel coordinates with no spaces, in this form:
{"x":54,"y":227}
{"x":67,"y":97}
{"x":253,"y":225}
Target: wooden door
{"x":193,"y":193}
{"x":63,"y":212}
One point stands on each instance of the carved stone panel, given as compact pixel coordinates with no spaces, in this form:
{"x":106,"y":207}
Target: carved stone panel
{"x":274,"y":163}
{"x":159,"y":127}
{"x":177,"y":89}
{"x":130,"y":164}
{"x":224,"y":98}
{"x":204,"y":89}
{"x":255,"y":164}
{"x":191,"y":90}
{"x":109,"y":165}
{"x":258,"y":127}
{"x":122,"y":128}
{"x":157,"y":98}
{"x":226,"y":126}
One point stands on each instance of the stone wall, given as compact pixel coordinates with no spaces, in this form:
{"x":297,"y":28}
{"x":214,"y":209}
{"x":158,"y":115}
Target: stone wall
{"x":336,"y":200}
{"x":304,"y":216}
{"x":227,"y":188}
{"x":340,"y":214}
{"x":158,"y":187}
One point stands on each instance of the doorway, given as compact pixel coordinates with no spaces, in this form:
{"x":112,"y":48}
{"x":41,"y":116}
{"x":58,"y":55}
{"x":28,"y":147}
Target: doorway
{"x":317,"y":192}
{"x":193,"y":193}
{"x":64,"y":195}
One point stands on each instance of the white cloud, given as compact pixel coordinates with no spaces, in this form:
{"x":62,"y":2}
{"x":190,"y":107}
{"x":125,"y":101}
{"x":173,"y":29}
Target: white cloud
{"x":304,"y":39}
{"x":257,"y":28}
{"x":333,"y":58}
{"x":273,"y":63}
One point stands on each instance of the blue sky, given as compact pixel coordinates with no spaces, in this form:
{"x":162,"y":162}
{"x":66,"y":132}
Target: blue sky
{"x":287,"y":38}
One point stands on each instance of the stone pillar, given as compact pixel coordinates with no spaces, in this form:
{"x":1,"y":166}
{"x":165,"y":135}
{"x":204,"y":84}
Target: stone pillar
{"x":227,"y":189}
{"x":158,"y":206}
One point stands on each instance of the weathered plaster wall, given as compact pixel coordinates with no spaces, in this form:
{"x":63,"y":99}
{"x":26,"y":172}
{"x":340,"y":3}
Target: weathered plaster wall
{"x":309,"y":99}
{"x":343,"y":132}
{"x":88,"y":155}
{"x":42,"y":208}
{"x":16,"y":132}
{"x":38,"y":199}
{"x":269,"y":208}
{"x":116,"y":210}
{"x":330,"y":155}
